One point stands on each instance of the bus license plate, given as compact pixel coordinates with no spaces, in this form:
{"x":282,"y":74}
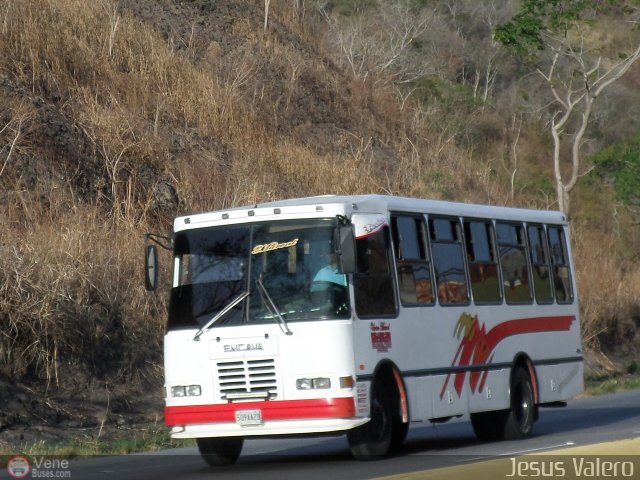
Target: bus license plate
{"x":249,"y":417}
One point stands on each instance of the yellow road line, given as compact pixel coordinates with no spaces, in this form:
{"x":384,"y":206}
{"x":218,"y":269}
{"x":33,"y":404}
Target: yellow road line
{"x":619,"y":459}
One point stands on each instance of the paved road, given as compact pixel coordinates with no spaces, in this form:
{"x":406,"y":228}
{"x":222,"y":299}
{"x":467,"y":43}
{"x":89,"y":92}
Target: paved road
{"x":585,"y":421}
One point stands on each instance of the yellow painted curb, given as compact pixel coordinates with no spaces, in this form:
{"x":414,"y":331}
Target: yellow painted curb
{"x":619,"y":459}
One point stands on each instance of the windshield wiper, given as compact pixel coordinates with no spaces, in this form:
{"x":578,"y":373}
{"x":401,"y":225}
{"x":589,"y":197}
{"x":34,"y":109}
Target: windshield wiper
{"x":221,"y":314}
{"x":272,"y":307}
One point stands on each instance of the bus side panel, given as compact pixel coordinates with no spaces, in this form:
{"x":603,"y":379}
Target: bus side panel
{"x":420,"y":402}
{"x":559,"y":382}
{"x":446,"y":401}
{"x":494,"y":395}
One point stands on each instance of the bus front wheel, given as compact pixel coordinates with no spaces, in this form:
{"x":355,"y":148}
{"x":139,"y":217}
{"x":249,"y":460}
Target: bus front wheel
{"x":374,"y":439}
{"x":220,"y":451}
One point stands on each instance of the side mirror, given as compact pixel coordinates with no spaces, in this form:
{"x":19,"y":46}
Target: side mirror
{"x":151,"y":267}
{"x":345,"y":246}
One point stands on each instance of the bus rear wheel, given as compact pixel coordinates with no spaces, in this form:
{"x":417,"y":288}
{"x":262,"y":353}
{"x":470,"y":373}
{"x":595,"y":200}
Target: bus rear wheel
{"x":489,"y":426}
{"x":514,"y":423}
{"x":519,"y":422}
{"x":220,"y":451}
{"x":373,"y":440}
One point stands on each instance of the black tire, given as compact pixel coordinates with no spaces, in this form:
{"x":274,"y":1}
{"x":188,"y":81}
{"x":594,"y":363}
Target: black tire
{"x":489,"y":426}
{"x":521,"y":415}
{"x":399,"y":434}
{"x":220,"y":451}
{"x":373,"y":440}
{"x":514,"y":423}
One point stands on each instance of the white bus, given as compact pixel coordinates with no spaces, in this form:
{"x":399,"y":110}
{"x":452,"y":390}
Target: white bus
{"x":361,"y":314}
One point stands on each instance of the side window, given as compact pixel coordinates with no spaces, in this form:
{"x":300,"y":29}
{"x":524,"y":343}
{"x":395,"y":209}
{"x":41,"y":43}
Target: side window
{"x":373,"y":282}
{"x":412,"y":262}
{"x":483,"y":262}
{"x":560,"y":263}
{"x":448,"y":261}
{"x":540,"y":269}
{"x":513,"y":261}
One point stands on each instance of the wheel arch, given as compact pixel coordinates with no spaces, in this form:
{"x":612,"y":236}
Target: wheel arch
{"x":388,"y":372}
{"x":522,"y":360}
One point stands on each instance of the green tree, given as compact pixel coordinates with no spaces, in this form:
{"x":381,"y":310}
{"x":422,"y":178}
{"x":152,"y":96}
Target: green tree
{"x":524,"y":35}
{"x":556,"y":37}
{"x":621,"y":164}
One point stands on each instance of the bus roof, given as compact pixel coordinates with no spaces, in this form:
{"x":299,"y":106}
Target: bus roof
{"x":373,"y":203}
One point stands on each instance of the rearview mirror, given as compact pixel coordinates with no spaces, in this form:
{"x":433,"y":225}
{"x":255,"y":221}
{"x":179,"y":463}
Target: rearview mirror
{"x":345,"y":246}
{"x":151,"y":267}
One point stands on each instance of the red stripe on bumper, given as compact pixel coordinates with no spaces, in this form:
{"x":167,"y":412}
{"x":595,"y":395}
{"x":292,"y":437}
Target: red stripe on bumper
{"x":271,"y":410}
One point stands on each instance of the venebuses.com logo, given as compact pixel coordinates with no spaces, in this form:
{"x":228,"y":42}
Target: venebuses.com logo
{"x":38,"y":467}
{"x":18,"y":467}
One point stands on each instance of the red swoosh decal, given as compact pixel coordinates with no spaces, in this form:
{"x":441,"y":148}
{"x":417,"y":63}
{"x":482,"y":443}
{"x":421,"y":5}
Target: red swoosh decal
{"x":477,"y":345}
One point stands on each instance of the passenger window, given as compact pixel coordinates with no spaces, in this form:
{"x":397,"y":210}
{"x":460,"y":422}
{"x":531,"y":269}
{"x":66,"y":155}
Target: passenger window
{"x":513,"y":262}
{"x":373,"y":282}
{"x":540,"y":269}
{"x":412,"y":263}
{"x":560,"y":263}
{"x":483,"y":262}
{"x":448,"y":261}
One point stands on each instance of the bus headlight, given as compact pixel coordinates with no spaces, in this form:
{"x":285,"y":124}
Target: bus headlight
{"x":193,"y":391}
{"x":178,"y":391}
{"x":186,"y":391}
{"x":313,"y":383}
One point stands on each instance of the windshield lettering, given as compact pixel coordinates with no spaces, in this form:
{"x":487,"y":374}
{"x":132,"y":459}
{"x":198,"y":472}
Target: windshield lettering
{"x":268,"y":247}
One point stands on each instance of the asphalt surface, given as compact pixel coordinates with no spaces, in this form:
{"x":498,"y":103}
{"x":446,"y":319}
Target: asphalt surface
{"x":585,"y":421}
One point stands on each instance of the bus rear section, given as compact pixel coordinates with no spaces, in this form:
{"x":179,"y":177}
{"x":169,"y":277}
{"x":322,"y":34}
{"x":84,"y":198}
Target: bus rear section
{"x":464,"y":309}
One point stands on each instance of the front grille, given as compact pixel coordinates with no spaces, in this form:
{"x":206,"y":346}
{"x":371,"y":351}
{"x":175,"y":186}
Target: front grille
{"x":247,"y":377}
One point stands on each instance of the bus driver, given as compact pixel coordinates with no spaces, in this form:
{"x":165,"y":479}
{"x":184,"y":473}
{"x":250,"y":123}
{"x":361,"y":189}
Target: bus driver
{"x":328,"y":284}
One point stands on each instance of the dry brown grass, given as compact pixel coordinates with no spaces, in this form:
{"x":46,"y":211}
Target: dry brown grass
{"x":116,"y":128}
{"x":95,"y":101}
{"x":609,"y":291}
{"x":70,"y":296}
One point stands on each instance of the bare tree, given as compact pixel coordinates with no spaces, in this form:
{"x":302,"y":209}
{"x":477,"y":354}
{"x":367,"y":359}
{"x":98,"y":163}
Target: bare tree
{"x":12,"y":133}
{"x":473,"y":22}
{"x":299,"y":10}
{"x":559,"y":36}
{"x":267,"y":4}
{"x":575,"y":86}
{"x":12,"y":144}
{"x":113,"y":136}
{"x":388,"y":42}
{"x":114,"y":20}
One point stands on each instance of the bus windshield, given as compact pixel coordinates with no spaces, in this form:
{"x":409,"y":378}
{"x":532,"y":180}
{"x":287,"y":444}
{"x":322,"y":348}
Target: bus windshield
{"x":289,"y":265}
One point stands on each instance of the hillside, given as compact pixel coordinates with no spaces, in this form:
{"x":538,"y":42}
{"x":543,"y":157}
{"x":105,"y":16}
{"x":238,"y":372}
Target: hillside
{"x":117,"y":116}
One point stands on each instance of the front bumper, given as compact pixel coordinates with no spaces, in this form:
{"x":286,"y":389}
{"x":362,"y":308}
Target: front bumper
{"x":284,"y":417}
